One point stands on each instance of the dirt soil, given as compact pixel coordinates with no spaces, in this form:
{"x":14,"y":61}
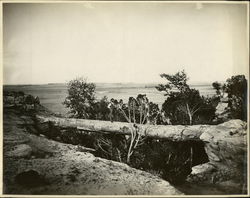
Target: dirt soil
{"x":65,"y":169}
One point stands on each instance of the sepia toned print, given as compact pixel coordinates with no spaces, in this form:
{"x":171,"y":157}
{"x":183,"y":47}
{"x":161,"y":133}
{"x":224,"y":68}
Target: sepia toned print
{"x":125,"y":98}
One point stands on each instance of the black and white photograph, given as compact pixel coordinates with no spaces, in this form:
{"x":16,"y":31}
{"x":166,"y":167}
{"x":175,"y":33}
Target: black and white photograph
{"x":125,"y":98}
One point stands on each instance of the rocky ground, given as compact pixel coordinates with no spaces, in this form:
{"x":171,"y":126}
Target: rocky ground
{"x":36,"y":165}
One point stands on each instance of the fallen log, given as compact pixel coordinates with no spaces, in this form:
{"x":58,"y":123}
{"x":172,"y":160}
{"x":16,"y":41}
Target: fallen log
{"x":172,"y":132}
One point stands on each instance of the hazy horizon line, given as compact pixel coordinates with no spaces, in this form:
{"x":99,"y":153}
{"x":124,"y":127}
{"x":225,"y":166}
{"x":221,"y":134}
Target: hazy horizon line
{"x":141,"y":83}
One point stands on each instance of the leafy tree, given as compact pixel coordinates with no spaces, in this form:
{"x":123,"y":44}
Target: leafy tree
{"x":220,"y":88}
{"x":154,"y":114}
{"x":81,"y":98}
{"x":183,"y":104}
{"x":236,"y":88}
{"x":217,"y":86}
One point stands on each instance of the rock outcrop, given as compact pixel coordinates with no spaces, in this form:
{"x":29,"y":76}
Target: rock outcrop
{"x":19,"y":99}
{"x":227,"y":143}
{"x":37,"y":165}
{"x":226,"y":147}
{"x":222,"y":111}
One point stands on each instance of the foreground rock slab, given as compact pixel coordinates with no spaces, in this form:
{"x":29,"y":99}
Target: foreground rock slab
{"x":64,"y":169}
{"x":226,"y":147}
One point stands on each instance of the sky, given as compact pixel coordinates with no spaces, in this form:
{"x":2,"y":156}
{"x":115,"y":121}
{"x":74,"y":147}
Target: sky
{"x":123,"y":41}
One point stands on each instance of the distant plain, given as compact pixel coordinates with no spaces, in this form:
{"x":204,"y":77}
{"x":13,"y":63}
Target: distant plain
{"x":52,"y":95}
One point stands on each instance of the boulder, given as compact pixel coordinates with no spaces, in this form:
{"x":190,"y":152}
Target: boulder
{"x":19,"y":99}
{"x":222,"y":113}
{"x":226,"y":147}
{"x":221,"y":108}
{"x":202,"y":173}
{"x":201,"y":168}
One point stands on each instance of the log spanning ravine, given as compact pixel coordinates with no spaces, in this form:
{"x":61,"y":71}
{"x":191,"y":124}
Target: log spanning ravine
{"x":224,"y":145}
{"x":171,"y":132}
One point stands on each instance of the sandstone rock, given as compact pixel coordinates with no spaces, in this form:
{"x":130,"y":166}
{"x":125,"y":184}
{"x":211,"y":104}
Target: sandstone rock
{"x":226,"y":147}
{"x":207,"y":167}
{"x":202,"y":173}
{"x":20,"y":151}
{"x":19,"y":99}
{"x":222,"y":113}
{"x":221,"y":108}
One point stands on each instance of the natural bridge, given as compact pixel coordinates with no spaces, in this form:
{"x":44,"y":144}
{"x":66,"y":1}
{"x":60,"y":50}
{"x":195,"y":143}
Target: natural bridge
{"x":225,"y":144}
{"x":171,"y":132}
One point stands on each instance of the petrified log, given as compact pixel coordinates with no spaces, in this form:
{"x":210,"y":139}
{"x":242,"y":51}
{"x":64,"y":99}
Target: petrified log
{"x":172,"y":132}
{"x":225,"y":144}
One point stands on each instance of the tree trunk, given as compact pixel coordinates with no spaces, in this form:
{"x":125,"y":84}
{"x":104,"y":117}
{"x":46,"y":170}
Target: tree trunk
{"x":189,"y":114}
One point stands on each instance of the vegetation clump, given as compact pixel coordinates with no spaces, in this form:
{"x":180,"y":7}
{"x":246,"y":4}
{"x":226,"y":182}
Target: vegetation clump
{"x":236,"y":90}
{"x":184,"y":105}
